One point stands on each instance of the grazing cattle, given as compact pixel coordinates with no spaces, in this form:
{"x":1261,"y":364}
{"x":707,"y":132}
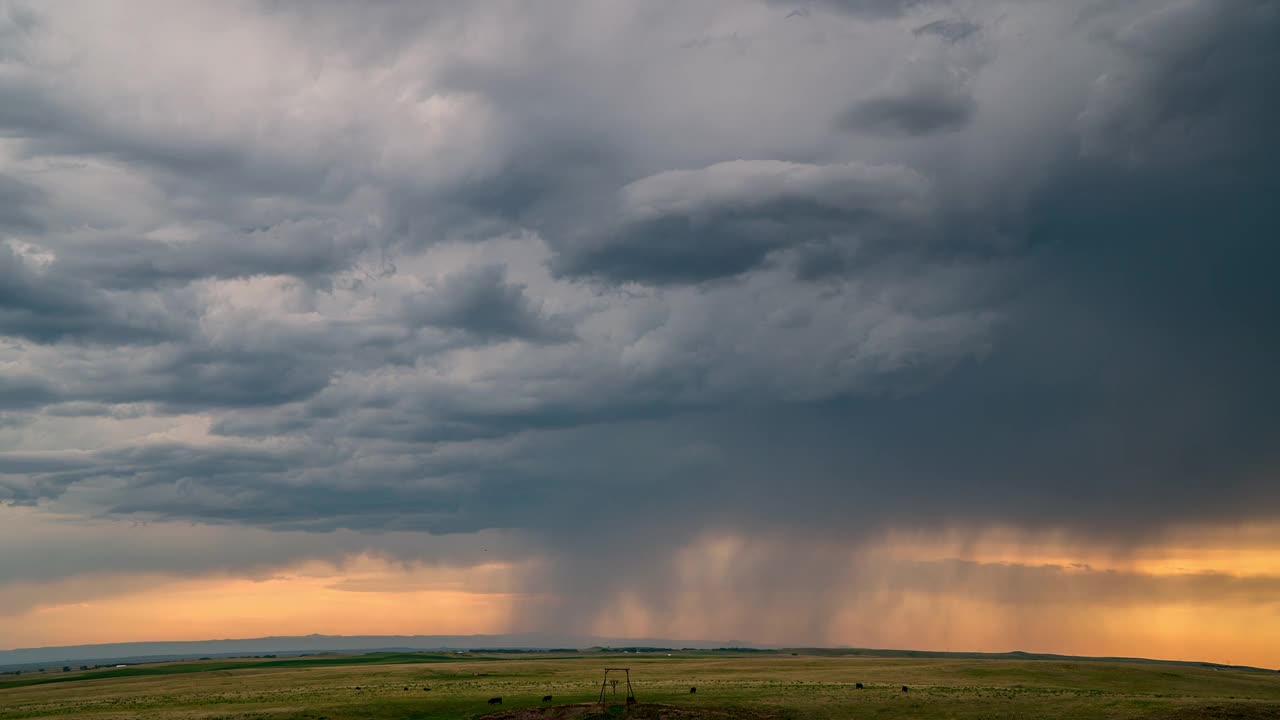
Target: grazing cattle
{"x":406,"y":687}
{"x":495,"y":701}
{"x":426,"y":689}
{"x":693,"y":690}
{"x":357,"y":687}
{"x":858,"y":685}
{"x":546,"y":698}
{"x":904,"y":688}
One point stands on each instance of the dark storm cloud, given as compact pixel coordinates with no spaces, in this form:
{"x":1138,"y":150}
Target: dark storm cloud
{"x":50,"y":307}
{"x":52,"y":122}
{"x":1195,"y":90}
{"x":1023,"y":282}
{"x":949,"y":29}
{"x":720,"y":221}
{"x":77,"y":545}
{"x":195,"y":377}
{"x":920,"y":113}
{"x":16,"y":201}
{"x":302,"y":248}
{"x":932,"y":93}
{"x":178,"y":468}
{"x":24,"y":392}
{"x":483,"y":302}
{"x":96,"y":409}
{"x":873,"y":9}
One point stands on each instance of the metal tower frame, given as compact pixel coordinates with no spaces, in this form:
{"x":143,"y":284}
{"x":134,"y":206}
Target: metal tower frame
{"x":631,"y":695}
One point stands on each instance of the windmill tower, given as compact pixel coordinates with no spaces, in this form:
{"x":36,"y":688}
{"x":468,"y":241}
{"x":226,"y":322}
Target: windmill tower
{"x":613,"y":682}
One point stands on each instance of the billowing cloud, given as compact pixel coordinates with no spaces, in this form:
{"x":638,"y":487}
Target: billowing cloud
{"x":866,"y":8}
{"x":950,"y":29}
{"x":407,"y":280}
{"x":924,"y":111}
{"x":481,"y":301}
{"x":723,"y":220}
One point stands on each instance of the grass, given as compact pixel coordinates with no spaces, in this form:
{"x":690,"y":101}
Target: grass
{"x":240,"y":664}
{"x":372,"y":687}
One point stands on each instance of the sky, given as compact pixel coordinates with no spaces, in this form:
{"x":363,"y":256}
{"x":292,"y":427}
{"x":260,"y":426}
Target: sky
{"x":934,"y":324}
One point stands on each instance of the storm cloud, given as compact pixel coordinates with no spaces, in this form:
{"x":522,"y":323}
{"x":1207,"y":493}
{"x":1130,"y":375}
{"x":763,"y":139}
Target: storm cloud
{"x":815,"y":271}
{"x":723,"y":220}
{"x":926,"y":111}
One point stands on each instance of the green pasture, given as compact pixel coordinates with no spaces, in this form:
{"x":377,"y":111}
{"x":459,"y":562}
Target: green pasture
{"x":757,"y":685}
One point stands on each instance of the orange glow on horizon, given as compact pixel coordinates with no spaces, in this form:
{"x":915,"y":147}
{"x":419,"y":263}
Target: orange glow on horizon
{"x":902,"y":592}
{"x":1245,"y":550}
{"x":365,"y":596}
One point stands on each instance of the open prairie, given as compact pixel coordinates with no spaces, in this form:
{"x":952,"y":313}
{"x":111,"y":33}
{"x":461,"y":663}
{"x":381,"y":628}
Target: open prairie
{"x":760,"y":686}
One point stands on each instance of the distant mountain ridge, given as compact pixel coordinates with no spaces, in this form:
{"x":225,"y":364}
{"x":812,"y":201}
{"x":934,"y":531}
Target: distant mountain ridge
{"x":1013,"y":655}
{"x":293,"y":645}
{"x":135,"y":652}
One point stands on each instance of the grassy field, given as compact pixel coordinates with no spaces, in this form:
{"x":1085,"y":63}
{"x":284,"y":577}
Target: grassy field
{"x":761,"y":686}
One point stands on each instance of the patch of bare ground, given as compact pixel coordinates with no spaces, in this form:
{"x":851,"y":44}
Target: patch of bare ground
{"x":643,"y":711}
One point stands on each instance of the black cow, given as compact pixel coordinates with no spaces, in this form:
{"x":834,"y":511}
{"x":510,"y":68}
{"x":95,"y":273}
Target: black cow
{"x":693,"y":690}
{"x":406,"y":688}
{"x":546,"y":698}
{"x":495,"y":701}
{"x":426,"y":689}
{"x":858,"y":685}
{"x":904,"y":688}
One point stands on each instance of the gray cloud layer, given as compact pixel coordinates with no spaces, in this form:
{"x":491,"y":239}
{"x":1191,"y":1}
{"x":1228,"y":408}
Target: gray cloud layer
{"x":838,"y":266}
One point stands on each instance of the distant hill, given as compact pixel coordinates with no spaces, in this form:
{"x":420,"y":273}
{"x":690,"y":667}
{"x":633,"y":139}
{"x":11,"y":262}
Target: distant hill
{"x":137,"y":652}
{"x":1013,"y":655}
{"x":295,"y":645}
